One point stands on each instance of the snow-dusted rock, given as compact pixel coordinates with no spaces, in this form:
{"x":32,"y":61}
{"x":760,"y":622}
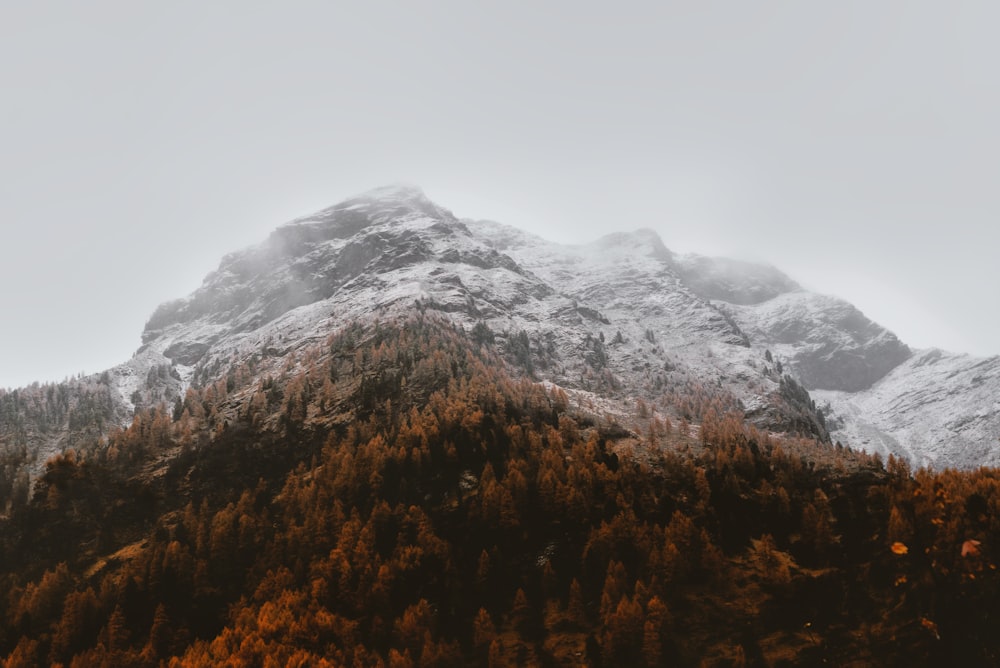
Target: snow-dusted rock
{"x":936,"y":409}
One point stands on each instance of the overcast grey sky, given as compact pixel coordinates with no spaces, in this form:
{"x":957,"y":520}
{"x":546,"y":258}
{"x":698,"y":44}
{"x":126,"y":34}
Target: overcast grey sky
{"x":852,"y":144}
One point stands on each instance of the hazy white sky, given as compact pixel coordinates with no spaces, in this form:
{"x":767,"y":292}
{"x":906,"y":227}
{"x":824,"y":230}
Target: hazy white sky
{"x":852,"y":144}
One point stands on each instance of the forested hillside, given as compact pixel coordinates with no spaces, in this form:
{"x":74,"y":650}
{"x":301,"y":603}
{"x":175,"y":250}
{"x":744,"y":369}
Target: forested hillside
{"x":41,"y":420}
{"x":403,"y":494}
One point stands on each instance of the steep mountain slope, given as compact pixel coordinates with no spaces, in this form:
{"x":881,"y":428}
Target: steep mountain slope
{"x":930,"y":407}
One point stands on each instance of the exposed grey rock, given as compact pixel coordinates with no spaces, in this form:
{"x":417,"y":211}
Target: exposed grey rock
{"x":187,"y":353}
{"x":827,"y":343}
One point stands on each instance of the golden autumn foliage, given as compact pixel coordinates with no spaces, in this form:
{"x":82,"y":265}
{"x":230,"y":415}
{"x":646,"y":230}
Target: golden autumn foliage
{"x":396,"y":497}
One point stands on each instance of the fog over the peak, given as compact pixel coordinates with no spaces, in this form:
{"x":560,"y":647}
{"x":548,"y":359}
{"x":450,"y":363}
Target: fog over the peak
{"x":852,"y":145}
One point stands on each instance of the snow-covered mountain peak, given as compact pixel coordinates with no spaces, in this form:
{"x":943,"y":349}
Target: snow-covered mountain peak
{"x":618,"y":318}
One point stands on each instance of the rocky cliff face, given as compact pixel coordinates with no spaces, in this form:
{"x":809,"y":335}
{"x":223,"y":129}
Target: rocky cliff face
{"x":823,"y":341}
{"x":613,"y":321}
{"x":828,"y":343}
{"x":733,"y":281}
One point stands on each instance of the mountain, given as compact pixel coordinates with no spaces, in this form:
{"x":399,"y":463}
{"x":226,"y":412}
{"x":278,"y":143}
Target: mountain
{"x":387,"y":436}
{"x":616,"y":320}
{"x":611,"y":322}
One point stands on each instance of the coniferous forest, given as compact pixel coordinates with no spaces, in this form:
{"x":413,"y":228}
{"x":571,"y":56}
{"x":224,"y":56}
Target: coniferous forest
{"x":406,"y":495}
